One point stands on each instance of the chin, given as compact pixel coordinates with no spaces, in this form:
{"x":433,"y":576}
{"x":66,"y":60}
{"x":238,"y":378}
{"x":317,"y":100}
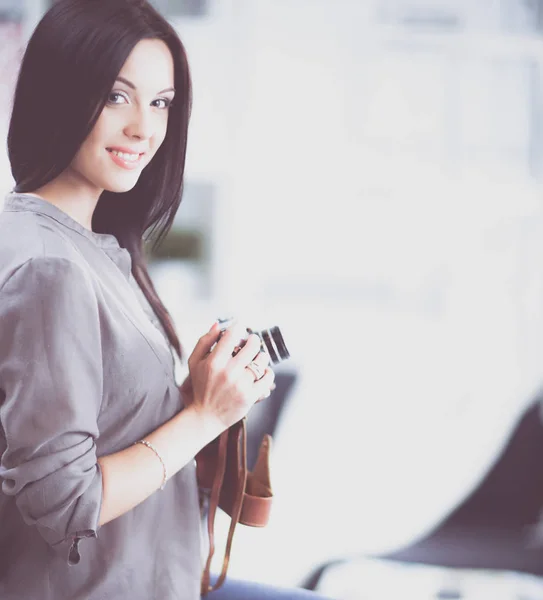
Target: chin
{"x":120,"y":187}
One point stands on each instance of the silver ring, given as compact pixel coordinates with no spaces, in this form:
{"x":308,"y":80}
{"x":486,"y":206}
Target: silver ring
{"x":256,"y":370}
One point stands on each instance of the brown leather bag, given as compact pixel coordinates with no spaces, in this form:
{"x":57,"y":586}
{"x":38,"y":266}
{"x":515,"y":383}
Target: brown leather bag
{"x":246,"y":497}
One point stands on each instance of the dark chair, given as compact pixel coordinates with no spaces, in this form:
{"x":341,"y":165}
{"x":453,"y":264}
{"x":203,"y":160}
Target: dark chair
{"x":497,"y":526}
{"x":264,"y":416}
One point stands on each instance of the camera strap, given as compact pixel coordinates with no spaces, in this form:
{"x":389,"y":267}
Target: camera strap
{"x":245,"y":496}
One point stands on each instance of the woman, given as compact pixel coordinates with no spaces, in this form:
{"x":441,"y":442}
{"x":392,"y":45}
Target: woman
{"x":92,"y":423}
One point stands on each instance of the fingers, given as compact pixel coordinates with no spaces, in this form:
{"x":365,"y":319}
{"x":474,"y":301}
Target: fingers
{"x":205,"y":343}
{"x":266,"y":395}
{"x":230,"y":339}
{"x":249,"y":352}
{"x":263,"y":386}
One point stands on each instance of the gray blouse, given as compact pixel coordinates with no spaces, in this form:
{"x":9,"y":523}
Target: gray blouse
{"x":85,"y":371}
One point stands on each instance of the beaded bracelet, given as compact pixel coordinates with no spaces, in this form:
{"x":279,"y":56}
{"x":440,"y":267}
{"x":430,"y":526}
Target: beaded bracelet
{"x":165,"y":470}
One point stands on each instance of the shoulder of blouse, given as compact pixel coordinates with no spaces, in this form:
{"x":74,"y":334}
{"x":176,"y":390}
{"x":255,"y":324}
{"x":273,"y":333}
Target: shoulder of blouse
{"x":25,"y":236}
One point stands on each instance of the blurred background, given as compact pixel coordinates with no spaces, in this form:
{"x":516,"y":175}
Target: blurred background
{"x":367,"y":174}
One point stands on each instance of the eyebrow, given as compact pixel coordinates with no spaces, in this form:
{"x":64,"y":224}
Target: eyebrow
{"x":131,"y":85}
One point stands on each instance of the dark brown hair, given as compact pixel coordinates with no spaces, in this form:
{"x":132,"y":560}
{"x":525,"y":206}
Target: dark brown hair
{"x":67,"y":73}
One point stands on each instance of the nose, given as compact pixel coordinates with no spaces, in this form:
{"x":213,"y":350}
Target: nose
{"x":141,"y":124}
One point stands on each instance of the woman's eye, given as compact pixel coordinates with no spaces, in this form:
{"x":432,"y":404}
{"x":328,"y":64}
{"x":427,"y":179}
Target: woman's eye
{"x":116,"y":98}
{"x":163,"y":103}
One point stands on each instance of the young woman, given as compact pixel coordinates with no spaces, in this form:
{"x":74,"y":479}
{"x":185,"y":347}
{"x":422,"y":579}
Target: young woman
{"x":92,"y":423}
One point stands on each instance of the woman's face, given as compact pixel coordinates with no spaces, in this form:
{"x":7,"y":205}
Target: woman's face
{"x":132,"y":125}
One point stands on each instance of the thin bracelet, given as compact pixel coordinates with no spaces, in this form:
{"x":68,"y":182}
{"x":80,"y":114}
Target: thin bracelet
{"x":165,"y":470}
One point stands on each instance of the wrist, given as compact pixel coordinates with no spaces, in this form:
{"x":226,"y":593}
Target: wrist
{"x":205,"y":424}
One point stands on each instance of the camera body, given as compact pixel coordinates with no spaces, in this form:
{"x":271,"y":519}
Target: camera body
{"x":271,"y":341}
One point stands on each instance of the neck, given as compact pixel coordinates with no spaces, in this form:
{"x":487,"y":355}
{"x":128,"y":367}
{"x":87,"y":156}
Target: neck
{"x":78,"y":202}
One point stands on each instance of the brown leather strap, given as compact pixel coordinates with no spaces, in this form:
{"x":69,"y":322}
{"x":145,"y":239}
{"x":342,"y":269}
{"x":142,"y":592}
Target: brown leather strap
{"x":241,"y":445}
{"x":257,"y":499}
{"x":213,"y":504}
{"x":245,"y":497}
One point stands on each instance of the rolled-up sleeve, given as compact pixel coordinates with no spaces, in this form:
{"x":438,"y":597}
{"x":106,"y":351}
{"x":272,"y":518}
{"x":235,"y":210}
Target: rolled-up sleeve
{"x":51,"y":378}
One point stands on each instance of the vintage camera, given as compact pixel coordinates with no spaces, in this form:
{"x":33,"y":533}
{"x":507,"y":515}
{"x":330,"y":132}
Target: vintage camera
{"x":271,"y":341}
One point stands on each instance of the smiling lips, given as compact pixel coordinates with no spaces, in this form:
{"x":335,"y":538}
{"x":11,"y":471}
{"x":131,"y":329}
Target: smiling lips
{"x":126,"y":158}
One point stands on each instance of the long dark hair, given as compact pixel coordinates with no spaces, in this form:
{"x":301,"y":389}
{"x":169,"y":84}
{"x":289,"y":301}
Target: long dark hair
{"x":67,"y":73}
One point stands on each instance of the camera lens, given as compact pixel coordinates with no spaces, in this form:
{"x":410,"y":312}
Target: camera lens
{"x":277,"y":337}
{"x":266,"y":338}
{"x":275,"y":344}
{"x":272,"y":341}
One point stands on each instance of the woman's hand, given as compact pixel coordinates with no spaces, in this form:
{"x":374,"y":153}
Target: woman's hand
{"x":186,"y":391}
{"x":224,"y":386}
